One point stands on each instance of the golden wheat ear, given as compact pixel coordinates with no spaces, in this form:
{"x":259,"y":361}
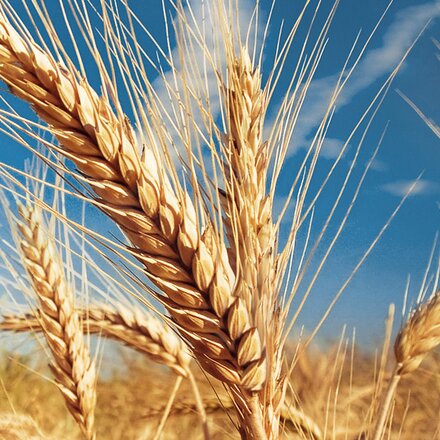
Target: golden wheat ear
{"x":71,"y":365}
{"x":419,"y":336}
{"x":19,"y":427}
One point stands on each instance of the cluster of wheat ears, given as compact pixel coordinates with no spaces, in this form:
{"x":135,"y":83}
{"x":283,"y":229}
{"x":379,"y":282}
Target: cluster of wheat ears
{"x":192,"y":194}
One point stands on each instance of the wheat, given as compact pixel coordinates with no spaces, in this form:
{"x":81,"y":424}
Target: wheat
{"x":419,"y":336}
{"x":137,"y":330}
{"x":73,"y":370}
{"x":248,"y":220}
{"x":220,"y":281}
{"x":249,"y":210}
{"x":191,"y":268}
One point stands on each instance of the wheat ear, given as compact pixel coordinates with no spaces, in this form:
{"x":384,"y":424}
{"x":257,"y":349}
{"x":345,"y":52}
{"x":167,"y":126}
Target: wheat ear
{"x":192,"y":269}
{"x":419,"y":336}
{"x":248,"y":218}
{"x":248,"y":209}
{"x":137,"y":330}
{"x":72,"y":367}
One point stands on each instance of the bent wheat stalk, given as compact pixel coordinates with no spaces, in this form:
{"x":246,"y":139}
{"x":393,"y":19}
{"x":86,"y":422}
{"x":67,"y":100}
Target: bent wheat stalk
{"x":191,"y":268}
{"x":72,"y":367}
{"x":141,"y":332}
{"x":419,"y":336}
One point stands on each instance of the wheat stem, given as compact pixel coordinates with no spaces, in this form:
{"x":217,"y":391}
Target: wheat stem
{"x":200,"y":407}
{"x":383,"y":414}
{"x":253,"y":429}
{"x":167,"y":409}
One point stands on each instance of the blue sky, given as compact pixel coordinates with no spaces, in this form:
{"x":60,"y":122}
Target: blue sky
{"x":408,"y":149}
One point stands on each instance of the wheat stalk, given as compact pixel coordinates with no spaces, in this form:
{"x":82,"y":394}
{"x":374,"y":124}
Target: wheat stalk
{"x":72,"y":367}
{"x":137,"y":330}
{"x":191,"y":268}
{"x":419,"y":336}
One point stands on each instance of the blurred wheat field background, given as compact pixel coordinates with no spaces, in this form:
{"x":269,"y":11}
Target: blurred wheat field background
{"x":195,"y":204}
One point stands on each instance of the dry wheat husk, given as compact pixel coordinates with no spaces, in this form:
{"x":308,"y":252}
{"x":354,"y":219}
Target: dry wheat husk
{"x":191,"y":268}
{"x":137,"y":330}
{"x":72,"y":367}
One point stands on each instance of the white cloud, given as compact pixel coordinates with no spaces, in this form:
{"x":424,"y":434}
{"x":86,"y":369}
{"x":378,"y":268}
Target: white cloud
{"x":401,"y":187}
{"x":376,"y":64}
{"x":331,"y":148}
{"x":397,"y":39}
{"x":379,"y":166}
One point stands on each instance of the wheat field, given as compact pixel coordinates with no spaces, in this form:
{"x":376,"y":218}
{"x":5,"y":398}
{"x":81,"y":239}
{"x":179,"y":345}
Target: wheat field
{"x":153,"y":283}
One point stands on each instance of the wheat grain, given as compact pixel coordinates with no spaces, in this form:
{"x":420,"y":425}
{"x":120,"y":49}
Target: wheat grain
{"x":73,"y":370}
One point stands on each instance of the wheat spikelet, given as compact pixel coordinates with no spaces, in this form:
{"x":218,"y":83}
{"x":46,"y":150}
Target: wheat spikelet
{"x":73,"y":370}
{"x":137,"y":330}
{"x":190,"y":267}
{"x":419,"y":336}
